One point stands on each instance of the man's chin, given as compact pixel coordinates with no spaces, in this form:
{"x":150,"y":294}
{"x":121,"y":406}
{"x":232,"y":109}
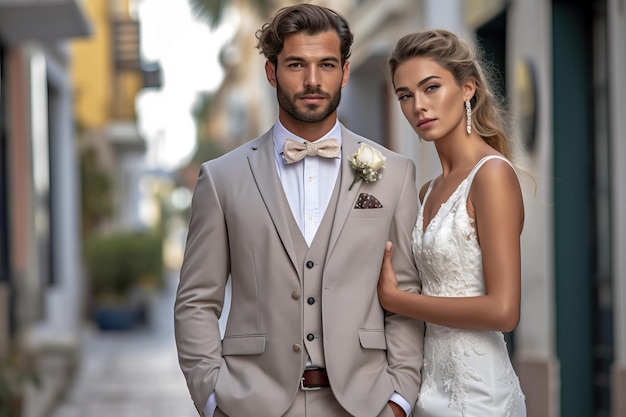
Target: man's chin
{"x":309,"y":114}
{"x":313,"y":116}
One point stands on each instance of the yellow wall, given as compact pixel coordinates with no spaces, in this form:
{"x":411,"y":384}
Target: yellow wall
{"x":92,"y":69}
{"x":101,"y":95}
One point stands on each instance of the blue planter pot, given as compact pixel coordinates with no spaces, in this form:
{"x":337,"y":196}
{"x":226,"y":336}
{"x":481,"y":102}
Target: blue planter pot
{"x":117,"y":318}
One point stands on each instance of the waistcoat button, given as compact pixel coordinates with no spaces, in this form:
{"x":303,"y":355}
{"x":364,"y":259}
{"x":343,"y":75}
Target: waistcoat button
{"x":309,"y":264}
{"x":310,"y":337}
{"x":311,"y":300}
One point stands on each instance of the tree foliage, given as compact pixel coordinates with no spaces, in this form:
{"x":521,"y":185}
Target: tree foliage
{"x":212,"y":11}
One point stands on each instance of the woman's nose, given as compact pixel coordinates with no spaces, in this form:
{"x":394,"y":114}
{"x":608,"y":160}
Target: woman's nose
{"x":418,"y":105}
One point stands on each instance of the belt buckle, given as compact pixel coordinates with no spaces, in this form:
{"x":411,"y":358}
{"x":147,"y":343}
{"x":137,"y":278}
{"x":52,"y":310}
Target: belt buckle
{"x":303,"y":388}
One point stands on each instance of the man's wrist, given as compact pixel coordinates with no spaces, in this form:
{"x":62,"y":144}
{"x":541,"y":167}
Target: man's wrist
{"x":397,"y":410}
{"x":402,"y":403}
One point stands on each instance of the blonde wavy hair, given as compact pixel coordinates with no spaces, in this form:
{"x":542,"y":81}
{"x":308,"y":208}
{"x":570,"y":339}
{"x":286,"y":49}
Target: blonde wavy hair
{"x":463,"y":60}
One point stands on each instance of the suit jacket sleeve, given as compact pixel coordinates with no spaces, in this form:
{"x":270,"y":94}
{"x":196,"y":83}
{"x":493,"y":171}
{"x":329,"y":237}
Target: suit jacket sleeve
{"x":200,"y":295}
{"x":405,"y":335}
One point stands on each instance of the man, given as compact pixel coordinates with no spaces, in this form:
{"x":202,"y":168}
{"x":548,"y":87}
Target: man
{"x":303,"y":244}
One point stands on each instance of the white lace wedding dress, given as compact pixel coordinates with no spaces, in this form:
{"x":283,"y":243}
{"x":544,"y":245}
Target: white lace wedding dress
{"x":466,"y":372}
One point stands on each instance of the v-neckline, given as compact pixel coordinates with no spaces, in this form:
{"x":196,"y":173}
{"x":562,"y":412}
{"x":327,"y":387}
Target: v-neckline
{"x":430,"y":187}
{"x":432,"y":182}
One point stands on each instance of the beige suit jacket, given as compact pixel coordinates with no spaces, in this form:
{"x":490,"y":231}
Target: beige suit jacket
{"x":239,"y":228}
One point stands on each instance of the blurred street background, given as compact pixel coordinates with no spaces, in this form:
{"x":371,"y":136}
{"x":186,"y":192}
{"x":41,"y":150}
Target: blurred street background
{"x":108,"y":108}
{"x":132,"y":374}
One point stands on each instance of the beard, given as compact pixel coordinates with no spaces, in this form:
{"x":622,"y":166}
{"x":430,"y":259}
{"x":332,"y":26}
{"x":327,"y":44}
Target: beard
{"x":314,"y":113}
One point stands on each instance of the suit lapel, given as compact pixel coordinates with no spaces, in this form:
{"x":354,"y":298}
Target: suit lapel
{"x":262,"y":162}
{"x":347,"y":198}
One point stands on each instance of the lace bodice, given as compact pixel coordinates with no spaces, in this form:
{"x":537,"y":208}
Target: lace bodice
{"x":456,"y":361}
{"x":447,"y":253}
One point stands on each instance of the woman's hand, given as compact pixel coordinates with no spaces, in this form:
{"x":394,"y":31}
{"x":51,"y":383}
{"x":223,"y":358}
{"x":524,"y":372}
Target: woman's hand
{"x":387,"y":281}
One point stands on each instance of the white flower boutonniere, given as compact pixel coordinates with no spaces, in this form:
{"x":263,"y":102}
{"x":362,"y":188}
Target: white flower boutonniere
{"x":366,"y":162}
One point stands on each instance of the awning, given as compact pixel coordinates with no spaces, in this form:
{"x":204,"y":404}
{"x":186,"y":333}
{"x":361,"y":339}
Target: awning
{"x":42,"y":20}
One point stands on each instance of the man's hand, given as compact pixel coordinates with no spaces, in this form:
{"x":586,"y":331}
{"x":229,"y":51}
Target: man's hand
{"x":397,"y":410}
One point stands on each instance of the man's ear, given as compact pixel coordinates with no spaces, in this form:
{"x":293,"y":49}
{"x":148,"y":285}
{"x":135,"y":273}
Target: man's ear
{"x":270,"y":72}
{"x":346,"y":74}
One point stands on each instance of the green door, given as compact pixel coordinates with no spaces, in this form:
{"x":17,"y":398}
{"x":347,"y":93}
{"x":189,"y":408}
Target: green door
{"x":572,"y":211}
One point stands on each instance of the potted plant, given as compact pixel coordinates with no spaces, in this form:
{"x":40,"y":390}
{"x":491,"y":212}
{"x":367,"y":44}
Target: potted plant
{"x":13,"y":377}
{"x":120,"y":266}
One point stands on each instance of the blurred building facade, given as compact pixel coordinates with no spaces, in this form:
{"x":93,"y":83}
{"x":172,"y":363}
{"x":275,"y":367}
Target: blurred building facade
{"x":562,"y":70}
{"x":108,"y":73}
{"x":40,"y":273}
{"x":57,"y":99}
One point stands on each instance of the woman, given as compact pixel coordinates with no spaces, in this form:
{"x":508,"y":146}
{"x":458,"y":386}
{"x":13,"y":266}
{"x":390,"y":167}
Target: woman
{"x":466,"y":241}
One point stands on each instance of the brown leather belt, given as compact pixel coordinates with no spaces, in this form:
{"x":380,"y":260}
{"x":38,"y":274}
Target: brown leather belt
{"x":313,"y":379}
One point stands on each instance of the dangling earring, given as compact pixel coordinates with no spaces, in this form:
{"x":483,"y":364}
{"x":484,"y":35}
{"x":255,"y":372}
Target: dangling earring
{"x":468,"y":113}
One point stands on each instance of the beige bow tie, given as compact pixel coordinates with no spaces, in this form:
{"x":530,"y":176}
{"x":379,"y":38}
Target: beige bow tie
{"x":293,"y":151}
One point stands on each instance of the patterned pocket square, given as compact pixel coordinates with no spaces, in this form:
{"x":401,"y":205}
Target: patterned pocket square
{"x":367,"y":201}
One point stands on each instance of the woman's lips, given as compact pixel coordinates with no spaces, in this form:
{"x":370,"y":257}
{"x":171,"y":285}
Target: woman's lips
{"x":424,"y":123}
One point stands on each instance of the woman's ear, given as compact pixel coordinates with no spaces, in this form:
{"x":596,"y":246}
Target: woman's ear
{"x":469,"y":88}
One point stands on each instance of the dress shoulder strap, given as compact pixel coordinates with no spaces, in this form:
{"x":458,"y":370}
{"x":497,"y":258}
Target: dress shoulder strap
{"x":472,"y":174}
{"x":430,"y":187}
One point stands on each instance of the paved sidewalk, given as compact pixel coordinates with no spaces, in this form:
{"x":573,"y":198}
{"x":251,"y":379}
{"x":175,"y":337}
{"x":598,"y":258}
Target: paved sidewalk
{"x":135,"y":373}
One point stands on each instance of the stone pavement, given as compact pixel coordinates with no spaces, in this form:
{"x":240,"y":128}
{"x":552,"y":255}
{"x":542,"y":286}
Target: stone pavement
{"x":133,"y":373}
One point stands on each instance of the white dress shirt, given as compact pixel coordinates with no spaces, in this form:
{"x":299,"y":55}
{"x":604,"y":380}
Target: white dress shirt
{"x":309,"y":183}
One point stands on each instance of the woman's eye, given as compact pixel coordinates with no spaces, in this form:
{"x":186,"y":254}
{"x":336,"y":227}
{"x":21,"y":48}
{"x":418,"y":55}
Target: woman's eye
{"x":404,"y":97}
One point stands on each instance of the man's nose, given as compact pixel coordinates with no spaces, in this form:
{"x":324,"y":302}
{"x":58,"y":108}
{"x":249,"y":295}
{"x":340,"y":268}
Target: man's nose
{"x":312,"y":78}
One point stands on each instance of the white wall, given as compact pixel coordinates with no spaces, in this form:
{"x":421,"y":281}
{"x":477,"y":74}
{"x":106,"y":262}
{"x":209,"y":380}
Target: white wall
{"x":537,"y":327}
{"x":535,"y":340}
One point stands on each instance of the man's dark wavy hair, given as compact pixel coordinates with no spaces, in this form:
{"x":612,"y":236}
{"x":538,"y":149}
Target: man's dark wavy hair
{"x":307,"y":18}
